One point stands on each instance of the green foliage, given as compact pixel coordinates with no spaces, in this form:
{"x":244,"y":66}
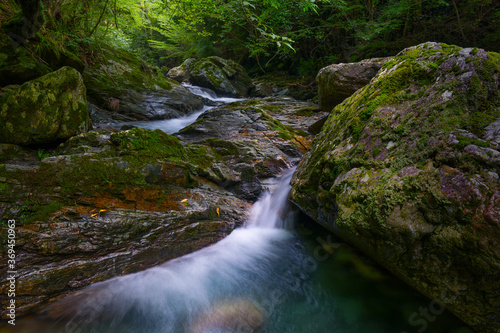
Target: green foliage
{"x":265,"y":35}
{"x":42,"y":154}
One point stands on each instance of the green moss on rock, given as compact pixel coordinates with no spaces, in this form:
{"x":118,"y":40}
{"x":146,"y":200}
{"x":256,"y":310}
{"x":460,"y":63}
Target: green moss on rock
{"x":400,"y":171}
{"x":225,"y":77}
{"x":17,"y":65}
{"x":50,"y":108}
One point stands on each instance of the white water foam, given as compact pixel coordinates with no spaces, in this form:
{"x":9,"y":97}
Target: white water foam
{"x":272,"y":210}
{"x":210,"y":94}
{"x":168,"y":126}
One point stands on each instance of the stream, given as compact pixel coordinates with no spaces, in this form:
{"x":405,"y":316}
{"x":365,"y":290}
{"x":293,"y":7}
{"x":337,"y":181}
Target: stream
{"x":278,"y":273}
{"x":171,"y":126}
{"x":267,"y":276}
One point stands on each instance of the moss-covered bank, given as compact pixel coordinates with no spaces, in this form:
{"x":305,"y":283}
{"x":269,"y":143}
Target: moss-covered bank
{"x":403,"y":170}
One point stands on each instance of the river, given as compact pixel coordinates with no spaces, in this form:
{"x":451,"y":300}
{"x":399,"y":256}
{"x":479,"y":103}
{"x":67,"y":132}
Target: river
{"x":278,"y":273}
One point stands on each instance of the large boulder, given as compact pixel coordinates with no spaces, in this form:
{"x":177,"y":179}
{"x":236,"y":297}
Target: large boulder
{"x":183,"y":72}
{"x":50,"y":108}
{"x":105,"y":204}
{"x":17,"y":65}
{"x":407,"y":169}
{"x":129,"y":89}
{"x":225,"y":77}
{"x":339,"y":81}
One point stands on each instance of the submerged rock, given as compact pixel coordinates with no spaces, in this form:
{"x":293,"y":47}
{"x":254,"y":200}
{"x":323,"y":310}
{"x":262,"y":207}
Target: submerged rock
{"x":225,"y":77}
{"x":406,"y":169}
{"x":48,"y":109}
{"x":339,"y":81}
{"x":231,"y":316}
{"x":129,"y":89}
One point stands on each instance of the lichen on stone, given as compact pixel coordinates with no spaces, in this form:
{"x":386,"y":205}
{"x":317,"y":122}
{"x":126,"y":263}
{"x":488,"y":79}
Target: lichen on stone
{"x":422,"y":165}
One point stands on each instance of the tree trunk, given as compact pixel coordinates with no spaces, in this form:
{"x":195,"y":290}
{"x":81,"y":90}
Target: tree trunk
{"x":459,"y":21}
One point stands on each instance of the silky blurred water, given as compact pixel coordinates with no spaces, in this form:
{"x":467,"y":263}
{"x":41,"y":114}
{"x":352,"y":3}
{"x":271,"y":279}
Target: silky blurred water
{"x":171,"y":126}
{"x":289,"y":280}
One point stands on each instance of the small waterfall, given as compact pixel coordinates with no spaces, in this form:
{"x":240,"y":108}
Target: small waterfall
{"x":171,"y":126}
{"x":210,"y":94}
{"x":272,"y":210}
{"x":260,"y":278}
{"x":216,"y":289}
{"x":200,"y":91}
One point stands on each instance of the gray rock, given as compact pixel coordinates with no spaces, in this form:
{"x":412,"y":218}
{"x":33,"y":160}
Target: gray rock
{"x":339,"y":81}
{"x":492,"y":132}
{"x":251,"y":141}
{"x":263,"y":90}
{"x":183,"y":72}
{"x":128,"y":89}
{"x":225,"y":77}
{"x":107,"y":204}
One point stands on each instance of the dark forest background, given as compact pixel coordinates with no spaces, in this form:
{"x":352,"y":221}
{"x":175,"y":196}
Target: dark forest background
{"x":300,"y":36}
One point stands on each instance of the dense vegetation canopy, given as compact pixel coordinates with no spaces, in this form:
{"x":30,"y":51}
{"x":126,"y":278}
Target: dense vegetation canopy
{"x":265,"y":35}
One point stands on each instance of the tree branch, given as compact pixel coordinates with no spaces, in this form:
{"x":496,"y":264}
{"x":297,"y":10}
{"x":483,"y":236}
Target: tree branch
{"x":100,"y":18}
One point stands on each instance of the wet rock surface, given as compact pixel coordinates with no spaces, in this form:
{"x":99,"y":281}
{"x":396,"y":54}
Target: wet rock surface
{"x":107,"y":202}
{"x":182,"y":72}
{"x":252,"y":141}
{"x":223,"y":76}
{"x":125,"y":88}
{"x":406,"y":169}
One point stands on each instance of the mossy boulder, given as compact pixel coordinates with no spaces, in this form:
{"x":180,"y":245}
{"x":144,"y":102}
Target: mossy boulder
{"x":406,"y":169}
{"x":17,"y":65}
{"x":105,"y":204}
{"x":183,"y":72}
{"x":225,"y":77}
{"x":130,"y":89}
{"x":339,"y":81}
{"x":48,"y":109}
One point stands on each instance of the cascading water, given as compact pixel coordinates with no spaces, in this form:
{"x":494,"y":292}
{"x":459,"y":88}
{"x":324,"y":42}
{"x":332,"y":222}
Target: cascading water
{"x":171,"y":126}
{"x":264,"y":277}
{"x":234,"y":285}
{"x":260,"y":278}
{"x":272,"y":210}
